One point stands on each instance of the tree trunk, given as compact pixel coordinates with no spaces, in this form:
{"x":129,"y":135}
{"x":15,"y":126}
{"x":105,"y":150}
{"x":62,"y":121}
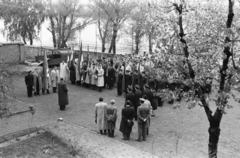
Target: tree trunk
{"x":113,"y":41}
{"x":53,"y":32}
{"x":103,"y":46}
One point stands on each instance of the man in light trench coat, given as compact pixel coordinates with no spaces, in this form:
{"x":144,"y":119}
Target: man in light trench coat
{"x":100,"y":116}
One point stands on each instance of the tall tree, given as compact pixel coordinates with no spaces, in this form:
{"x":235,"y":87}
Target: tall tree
{"x":22,"y":19}
{"x":117,"y":12}
{"x":137,"y":25}
{"x":190,"y":29}
{"x":66,"y":17}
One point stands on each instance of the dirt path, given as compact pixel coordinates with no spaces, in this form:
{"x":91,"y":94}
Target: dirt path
{"x":173,"y":133}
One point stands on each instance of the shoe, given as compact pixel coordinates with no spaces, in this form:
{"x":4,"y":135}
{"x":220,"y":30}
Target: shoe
{"x":138,"y":140}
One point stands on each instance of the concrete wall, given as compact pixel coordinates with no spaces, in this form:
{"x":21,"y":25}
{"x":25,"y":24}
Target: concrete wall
{"x":12,"y":52}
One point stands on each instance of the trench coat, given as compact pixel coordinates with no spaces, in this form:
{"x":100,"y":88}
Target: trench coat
{"x":93,"y":76}
{"x":100,"y":81}
{"x":55,"y":77}
{"x":62,"y":94}
{"x":111,"y":115}
{"x":127,"y":114}
{"x":100,"y":117}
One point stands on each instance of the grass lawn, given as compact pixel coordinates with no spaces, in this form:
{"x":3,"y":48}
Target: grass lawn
{"x":44,"y":145}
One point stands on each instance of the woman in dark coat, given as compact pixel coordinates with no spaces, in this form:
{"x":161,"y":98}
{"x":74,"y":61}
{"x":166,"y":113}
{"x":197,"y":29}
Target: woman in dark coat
{"x":62,"y":95}
{"x":127,"y":121}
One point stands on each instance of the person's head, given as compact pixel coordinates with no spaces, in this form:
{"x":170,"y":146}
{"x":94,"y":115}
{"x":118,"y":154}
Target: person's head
{"x":137,"y":87}
{"x":144,"y":96}
{"x":146,"y":86}
{"x":62,"y":80}
{"x":128,"y":103}
{"x":112,"y":102}
{"x":129,"y":89}
{"x":55,"y":67}
{"x":141,"y":100}
{"x":99,"y":66}
{"x":100,"y":99}
{"x":63,"y":61}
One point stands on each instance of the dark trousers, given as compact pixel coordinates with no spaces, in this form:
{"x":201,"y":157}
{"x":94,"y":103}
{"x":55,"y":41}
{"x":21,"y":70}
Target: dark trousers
{"x":54,"y":89}
{"x":126,"y":136}
{"x":37,"y":88}
{"x":29,"y":91}
{"x":62,"y":107}
{"x":119,"y":89}
{"x":100,"y":89}
{"x":142,"y":131}
{"x":105,"y":132}
{"x":111,"y":133}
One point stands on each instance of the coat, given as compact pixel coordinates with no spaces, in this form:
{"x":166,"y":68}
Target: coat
{"x":93,"y":76}
{"x":111,"y":115}
{"x":63,"y":71}
{"x":138,"y":95}
{"x":111,"y":77}
{"x":100,"y":81}
{"x":127,"y":114}
{"x":149,"y":94}
{"x":88,"y":76}
{"x":143,"y":112}
{"x":72,"y":73}
{"x":62,"y":94}
{"x":29,"y":80}
{"x":100,"y":116}
{"x":55,"y":77}
{"x":77,"y":72}
{"x":131,"y":97}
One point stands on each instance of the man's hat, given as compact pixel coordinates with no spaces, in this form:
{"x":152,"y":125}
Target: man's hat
{"x":137,"y":86}
{"x":146,"y":86}
{"x":129,"y":88}
{"x":141,"y":99}
{"x":30,"y":71}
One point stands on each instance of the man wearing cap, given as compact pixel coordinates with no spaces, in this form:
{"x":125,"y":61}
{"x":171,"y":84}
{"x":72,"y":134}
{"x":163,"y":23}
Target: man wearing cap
{"x":29,"y":83}
{"x":111,"y":115}
{"x":100,"y":116}
{"x":143,"y":114}
{"x":138,"y":95}
{"x":127,"y":121}
{"x":130,"y":96}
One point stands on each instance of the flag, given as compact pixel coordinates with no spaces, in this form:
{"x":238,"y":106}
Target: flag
{"x":123,"y":85}
{"x":45,"y":69}
{"x":79,"y":60}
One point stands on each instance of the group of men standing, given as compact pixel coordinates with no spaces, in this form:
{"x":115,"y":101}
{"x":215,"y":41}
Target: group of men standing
{"x":106,"y":117}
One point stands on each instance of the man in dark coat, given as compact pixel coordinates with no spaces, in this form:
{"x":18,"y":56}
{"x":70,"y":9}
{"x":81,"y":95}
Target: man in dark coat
{"x":111,"y":76}
{"x":72,"y":73}
{"x":62,"y":95}
{"x":105,"y":67}
{"x":148,"y":93}
{"x":130,"y":96}
{"x":143,"y":113}
{"x":143,"y":80}
{"x":128,"y":79}
{"x":135,"y":77}
{"x":119,"y":82}
{"x":138,"y":95}
{"x":127,"y":121}
{"x":29,"y":83}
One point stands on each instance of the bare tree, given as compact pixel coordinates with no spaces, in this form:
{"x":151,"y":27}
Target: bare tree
{"x":117,"y":12}
{"x":66,"y":17}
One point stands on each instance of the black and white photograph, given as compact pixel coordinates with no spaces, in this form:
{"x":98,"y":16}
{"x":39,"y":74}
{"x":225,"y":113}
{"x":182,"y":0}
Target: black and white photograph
{"x":119,"y":78}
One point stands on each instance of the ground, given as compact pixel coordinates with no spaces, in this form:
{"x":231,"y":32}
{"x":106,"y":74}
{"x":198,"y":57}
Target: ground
{"x":173,"y":133}
{"x":44,"y":145}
